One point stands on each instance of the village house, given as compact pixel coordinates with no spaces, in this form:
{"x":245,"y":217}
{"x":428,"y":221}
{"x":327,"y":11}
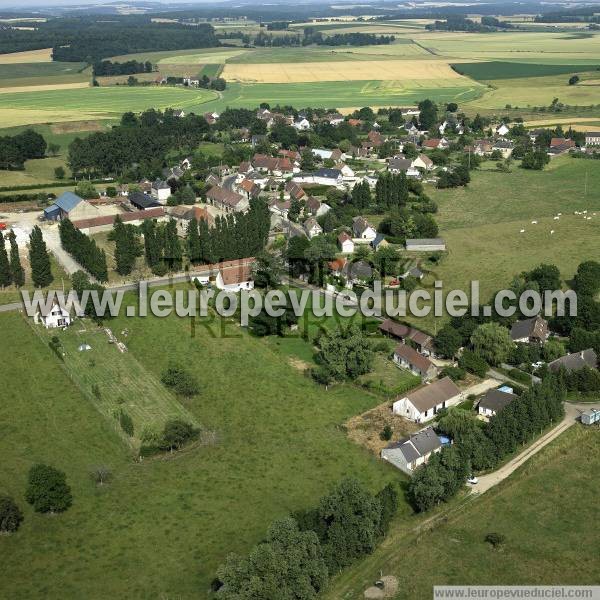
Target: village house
{"x":409,"y":358}
{"x":400,"y":164}
{"x":406,"y":334}
{"x":312,"y":228}
{"x":530,"y":330}
{"x":426,"y":245}
{"x":436,"y":144}
{"x":302,"y":124}
{"x":57,"y":316}
{"x":359,"y":272}
{"x":334,"y":119}
{"x":575,"y":361}
{"x":424,"y":403}
{"x":280,"y":208}
{"x":505,"y":147}
{"x":422,"y":162}
{"x":272,"y":165}
{"x":313,"y":206}
{"x":494,"y":401}
{"x":184,"y":214}
{"x":249,"y":188}
{"x":211,"y":117}
{"x":414,"y":451}
{"x":362,"y":230}
{"x":345,"y":243}
{"x":161,"y":191}
{"x":379,"y":242}
{"x":592,"y":138}
{"x":502,"y":130}
{"x":560,"y":146}
{"x":294,"y":191}
{"x":69,"y":206}
{"x":232,"y":275}
{"x":227,"y":200}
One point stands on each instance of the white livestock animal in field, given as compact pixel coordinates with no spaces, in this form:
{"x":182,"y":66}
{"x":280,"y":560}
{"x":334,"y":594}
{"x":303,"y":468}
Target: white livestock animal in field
{"x":522,"y":231}
{"x":557,"y":218}
{"x":552,"y":232}
{"x":534,"y":222}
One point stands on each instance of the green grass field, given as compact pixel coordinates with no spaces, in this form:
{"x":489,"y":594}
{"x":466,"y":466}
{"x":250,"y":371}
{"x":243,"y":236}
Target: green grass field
{"x":42,"y":73}
{"x":338,"y":94}
{"x":495,"y":70}
{"x":107,"y":101}
{"x":163,"y":526}
{"x":544,"y":510}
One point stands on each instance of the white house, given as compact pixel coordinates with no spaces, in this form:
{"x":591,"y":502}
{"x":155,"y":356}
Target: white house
{"x":345,"y":243}
{"x":494,"y":401}
{"x":424,"y":403}
{"x":502,"y":129}
{"x":407,"y":357}
{"x":312,"y":228}
{"x":231,"y":275}
{"x":302,"y":124}
{"x":57,"y":316}
{"x":363,"y":230}
{"x":423,"y":162}
{"x":160,"y":191}
{"x":411,"y":452}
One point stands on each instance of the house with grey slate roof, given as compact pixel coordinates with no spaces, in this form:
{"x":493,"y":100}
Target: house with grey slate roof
{"x":411,"y":452}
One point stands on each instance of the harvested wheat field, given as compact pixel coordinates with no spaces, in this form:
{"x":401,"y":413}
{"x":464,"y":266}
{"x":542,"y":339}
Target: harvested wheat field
{"x":30,"y":56}
{"x":389,"y":70}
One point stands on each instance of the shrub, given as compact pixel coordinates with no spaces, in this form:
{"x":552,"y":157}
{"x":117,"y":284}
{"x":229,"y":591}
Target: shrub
{"x":47,"y":490}
{"x":180,"y":381}
{"x":177,"y":433}
{"x":455,"y":373}
{"x":10,"y":515}
{"x":386,"y":433}
{"x":126,"y":423}
{"x":495,"y":539}
{"x":473,"y":363}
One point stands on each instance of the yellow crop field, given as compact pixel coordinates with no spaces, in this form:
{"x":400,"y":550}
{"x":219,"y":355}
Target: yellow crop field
{"x":389,"y":70}
{"x":31,"y":56}
{"x":202,"y":58}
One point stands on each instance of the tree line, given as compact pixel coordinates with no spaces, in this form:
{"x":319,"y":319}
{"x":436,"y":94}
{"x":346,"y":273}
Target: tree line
{"x":84,"y":250}
{"x":107,"y":67}
{"x":11,"y":270}
{"x":303,"y":551}
{"x":16,"y":149}
{"x":238,"y":235}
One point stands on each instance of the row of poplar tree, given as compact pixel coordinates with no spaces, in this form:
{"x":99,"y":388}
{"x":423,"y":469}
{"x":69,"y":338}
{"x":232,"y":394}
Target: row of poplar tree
{"x":84,"y":250}
{"x":11,"y":269}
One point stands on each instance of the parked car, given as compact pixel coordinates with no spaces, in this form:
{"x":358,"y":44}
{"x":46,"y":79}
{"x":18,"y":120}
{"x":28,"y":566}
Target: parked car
{"x":473,"y":480}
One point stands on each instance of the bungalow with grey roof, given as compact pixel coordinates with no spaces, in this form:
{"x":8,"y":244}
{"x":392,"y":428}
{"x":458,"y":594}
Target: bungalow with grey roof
{"x":409,"y":453}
